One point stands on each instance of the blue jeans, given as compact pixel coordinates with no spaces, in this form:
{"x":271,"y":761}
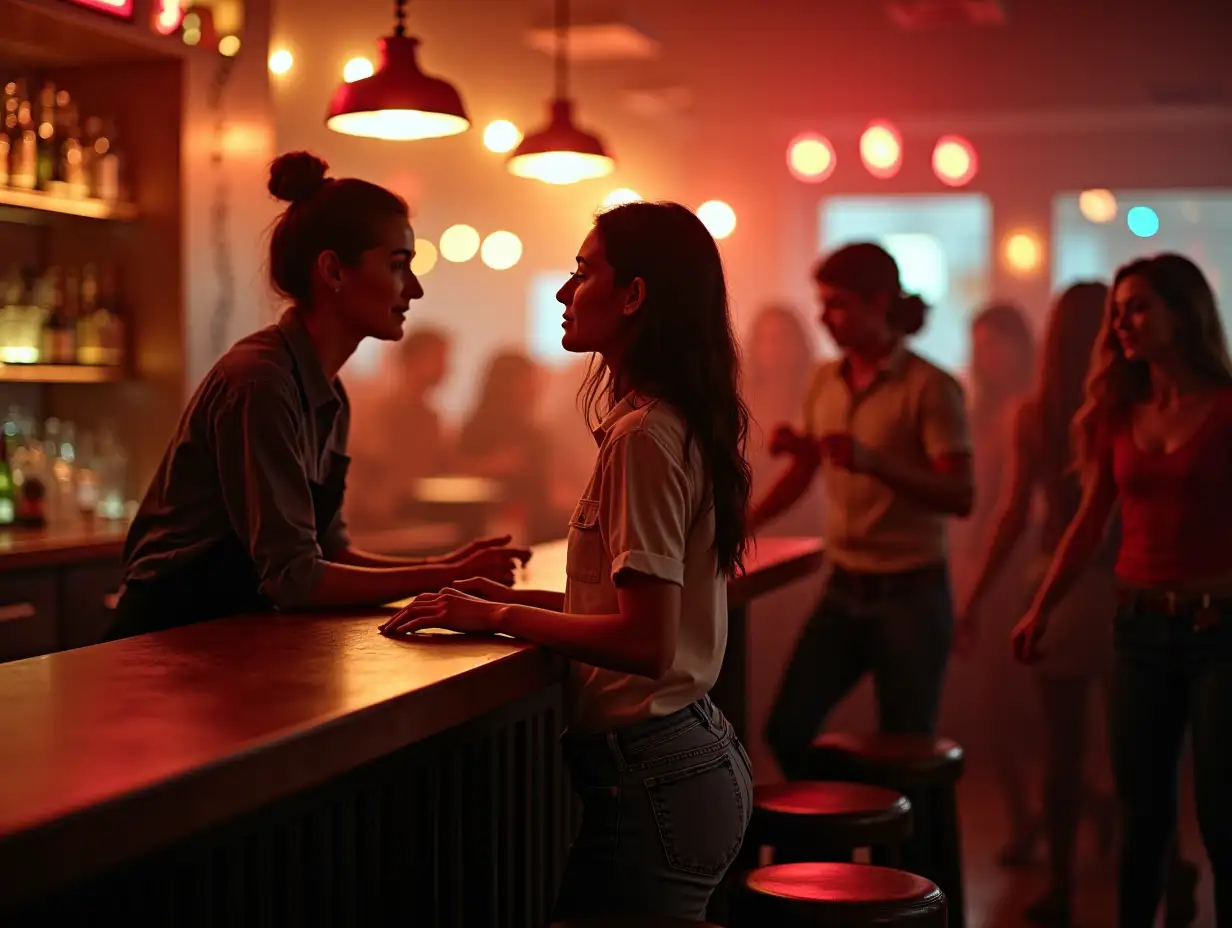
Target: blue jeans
{"x":1170,"y":674}
{"x":665,"y":806}
{"x":896,"y":626}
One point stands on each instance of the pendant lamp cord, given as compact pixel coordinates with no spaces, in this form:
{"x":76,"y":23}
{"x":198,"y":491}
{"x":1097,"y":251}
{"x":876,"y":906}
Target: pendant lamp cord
{"x":400,"y":18}
{"x":562,"y":49}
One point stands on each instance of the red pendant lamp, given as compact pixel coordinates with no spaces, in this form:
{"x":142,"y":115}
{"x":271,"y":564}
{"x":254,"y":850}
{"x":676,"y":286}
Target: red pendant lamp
{"x":561,"y":153}
{"x":398,"y":101}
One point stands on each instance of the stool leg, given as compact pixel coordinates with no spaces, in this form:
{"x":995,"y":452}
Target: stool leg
{"x":950,"y":856}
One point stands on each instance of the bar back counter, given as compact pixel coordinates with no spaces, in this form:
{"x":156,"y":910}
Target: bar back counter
{"x":300,"y":770}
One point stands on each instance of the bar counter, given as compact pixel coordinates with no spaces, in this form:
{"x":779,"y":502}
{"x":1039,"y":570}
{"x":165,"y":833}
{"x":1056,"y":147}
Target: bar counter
{"x":300,"y":769}
{"x":54,"y":545}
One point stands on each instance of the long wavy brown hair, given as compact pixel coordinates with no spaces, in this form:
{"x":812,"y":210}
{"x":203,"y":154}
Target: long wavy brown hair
{"x":1116,"y":384}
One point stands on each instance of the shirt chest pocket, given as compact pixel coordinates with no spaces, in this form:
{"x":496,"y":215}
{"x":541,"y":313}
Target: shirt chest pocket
{"x":584,"y":561}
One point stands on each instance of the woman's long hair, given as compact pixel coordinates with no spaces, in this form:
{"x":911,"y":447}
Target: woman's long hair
{"x":1116,"y":384}
{"x":1069,"y":338}
{"x":682,"y":350}
{"x":1010,"y":322}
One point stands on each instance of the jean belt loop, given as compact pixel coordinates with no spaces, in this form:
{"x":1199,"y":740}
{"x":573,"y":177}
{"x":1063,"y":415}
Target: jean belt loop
{"x":703,"y":708}
{"x":613,"y":746}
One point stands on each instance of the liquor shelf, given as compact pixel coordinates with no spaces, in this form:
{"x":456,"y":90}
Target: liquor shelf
{"x":42,"y":202}
{"x":60,"y":373}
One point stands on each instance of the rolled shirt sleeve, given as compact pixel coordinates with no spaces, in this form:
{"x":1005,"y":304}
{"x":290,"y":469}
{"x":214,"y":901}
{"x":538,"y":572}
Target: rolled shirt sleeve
{"x":943,"y":417}
{"x":645,"y":512}
{"x":258,"y":446}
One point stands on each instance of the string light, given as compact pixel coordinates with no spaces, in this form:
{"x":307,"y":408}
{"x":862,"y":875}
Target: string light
{"x":811,"y":158}
{"x":718,"y":218}
{"x":425,"y":257}
{"x":357,"y":69}
{"x":501,"y":251}
{"x":281,"y":61}
{"x":620,"y":196}
{"x":229,"y":46}
{"x":501,"y":136}
{"x":1023,"y":252}
{"x":881,"y":149}
{"x":1098,"y":206}
{"x":459,"y":243}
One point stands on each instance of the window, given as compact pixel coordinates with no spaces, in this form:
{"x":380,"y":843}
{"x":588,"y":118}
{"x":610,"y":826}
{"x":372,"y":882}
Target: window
{"x":543,"y":318}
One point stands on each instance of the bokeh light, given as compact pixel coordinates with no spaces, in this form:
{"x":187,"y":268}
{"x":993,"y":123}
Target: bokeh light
{"x":357,"y":69}
{"x":425,"y":257}
{"x":459,"y":243}
{"x":881,"y":149}
{"x":718,"y":218}
{"x":501,"y":136}
{"x":501,"y":251}
{"x":954,"y":161}
{"x":1097,"y":205}
{"x":280,"y":61}
{"x":811,"y":158}
{"x":1142,"y":221}
{"x":229,"y":46}
{"x":1023,"y":252}
{"x":620,"y":196}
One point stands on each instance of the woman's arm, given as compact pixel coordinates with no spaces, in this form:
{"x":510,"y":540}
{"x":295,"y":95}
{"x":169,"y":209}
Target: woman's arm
{"x":793,"y":483}
{"x":1013,"y":508}
{"x":1082,"y":539}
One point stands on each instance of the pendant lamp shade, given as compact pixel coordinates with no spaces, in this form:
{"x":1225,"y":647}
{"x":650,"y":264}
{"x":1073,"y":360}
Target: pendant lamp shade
{"x":398,"y":102}
{"x":561,"y":153}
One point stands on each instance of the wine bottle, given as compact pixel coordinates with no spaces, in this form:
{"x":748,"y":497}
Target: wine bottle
{"x":23,"y":163}
{"x":48,"y":143}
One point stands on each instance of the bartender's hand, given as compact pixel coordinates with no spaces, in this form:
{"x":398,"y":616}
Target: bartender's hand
{"x":471,"y":548}
{"x":844,"y":452}
{"x":496,"y":564}
{"x":449,"y":609}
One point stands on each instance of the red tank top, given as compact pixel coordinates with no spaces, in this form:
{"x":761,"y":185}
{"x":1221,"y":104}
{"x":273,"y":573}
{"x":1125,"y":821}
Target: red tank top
{"x":1176,"y":509}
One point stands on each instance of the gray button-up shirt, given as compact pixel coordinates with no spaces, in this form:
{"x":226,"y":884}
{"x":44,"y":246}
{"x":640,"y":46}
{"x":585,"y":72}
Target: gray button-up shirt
{"x":264,"y":424}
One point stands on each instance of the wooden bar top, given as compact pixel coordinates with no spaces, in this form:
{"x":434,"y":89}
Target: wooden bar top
{"x":111,"y":751}
{"x":52,"y":545}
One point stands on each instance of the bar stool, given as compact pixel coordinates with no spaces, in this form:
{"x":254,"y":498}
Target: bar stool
{"x":814,"y":821}
{"x":837,"y":896}
{"x":927,"y":770}
{"x":630,"y":921}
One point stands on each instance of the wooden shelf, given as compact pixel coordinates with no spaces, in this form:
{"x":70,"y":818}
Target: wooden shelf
{"x":41,"y":202}
{"x":59,"y":373}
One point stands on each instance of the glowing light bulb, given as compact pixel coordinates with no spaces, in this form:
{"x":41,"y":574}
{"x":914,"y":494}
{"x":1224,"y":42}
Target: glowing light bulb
{"x":280,"y":62}
{"x":459,"y":243}
{"x":881,"y":149}
{"x":1097,"y":205}
{"x":1023,"y":252}
{"x":1142,"y":221}
{"x":811,"y":158}
{"x":501,"y":251}
{"x":620,"y":196}
{"x":425,"y":257}
{"x":718,"y":218}
{"x":561,"y":167}
{"x":356,"y":70}
{"x":954,"y":161}
{"x":501,"y":136}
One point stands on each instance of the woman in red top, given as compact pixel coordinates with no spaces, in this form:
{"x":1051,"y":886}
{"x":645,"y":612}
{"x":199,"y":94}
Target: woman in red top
{"x":1155,"y":436}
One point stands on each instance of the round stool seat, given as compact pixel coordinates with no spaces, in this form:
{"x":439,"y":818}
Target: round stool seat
{"x":630,"y":921}
{"x":846,"y":895}
{"x":829,"y":815}
{"x":899,"y":760}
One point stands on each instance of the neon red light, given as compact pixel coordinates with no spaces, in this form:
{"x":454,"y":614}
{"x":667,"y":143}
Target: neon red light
{"x":954,"y":160}
{"x":121,"y":9}
{"x":881,"y":148}
{"x":168,"y":14}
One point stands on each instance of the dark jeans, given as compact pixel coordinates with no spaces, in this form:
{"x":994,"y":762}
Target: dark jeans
{"x":1170,"y":674}
{"x":899,"y":628}
{"x":665,"y":806}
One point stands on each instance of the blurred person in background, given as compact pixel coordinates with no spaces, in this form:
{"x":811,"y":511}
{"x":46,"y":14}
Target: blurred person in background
{"x":1002,"y":365}
{"x":665,"y":785}
{"x":503,"y":441}
{"x":397,"y":435}
{"x":888,"y":431}
{"x":1078,"y":659}
{"x":1154,"y":436}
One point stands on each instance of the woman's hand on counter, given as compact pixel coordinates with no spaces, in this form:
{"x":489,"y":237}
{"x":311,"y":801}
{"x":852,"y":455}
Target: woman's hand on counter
{"x":449,"y":609}
{"x":489,"y":559}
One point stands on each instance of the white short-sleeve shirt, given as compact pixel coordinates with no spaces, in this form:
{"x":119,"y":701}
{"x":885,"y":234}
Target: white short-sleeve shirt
{"x":647,"y":509}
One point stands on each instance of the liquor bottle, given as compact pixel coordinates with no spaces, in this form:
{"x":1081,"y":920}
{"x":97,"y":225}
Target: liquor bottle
{"x":10,"y":137}
{"x":52,"y":302}
{"x":71,"y":162}
{"x":23,"y":162}
{"x":66,"y":347}
{"x":48,"y":143}
{"x":107,"y":186}
{"x":110,"y":317}
{"x":89,"y":345}
{"x":8,"y":502}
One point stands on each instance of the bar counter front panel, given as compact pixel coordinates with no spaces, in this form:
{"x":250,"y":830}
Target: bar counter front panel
{"x":301,"y":770}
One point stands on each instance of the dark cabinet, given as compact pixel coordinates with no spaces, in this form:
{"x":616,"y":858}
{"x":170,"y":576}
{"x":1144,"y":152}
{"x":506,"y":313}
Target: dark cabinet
{"x":29,"y":613}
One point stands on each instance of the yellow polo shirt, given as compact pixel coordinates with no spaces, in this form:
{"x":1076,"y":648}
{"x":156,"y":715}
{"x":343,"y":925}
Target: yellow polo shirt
{"x":913,"y":411}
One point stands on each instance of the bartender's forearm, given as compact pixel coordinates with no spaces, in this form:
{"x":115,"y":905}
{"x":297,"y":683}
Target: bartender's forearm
{"x":354,"y":557}
{"x":346,"y":585}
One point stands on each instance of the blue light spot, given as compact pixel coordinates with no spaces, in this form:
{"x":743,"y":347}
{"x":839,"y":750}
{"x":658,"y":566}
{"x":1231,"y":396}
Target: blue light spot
{"x":1143,"y":221}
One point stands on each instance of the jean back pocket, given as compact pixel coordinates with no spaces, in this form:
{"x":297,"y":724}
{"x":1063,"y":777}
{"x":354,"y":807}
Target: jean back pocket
{"x":701,"y":813}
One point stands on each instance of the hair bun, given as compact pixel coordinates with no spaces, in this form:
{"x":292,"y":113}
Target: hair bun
{"x":908,"y":313}
{"x":297,"y":176}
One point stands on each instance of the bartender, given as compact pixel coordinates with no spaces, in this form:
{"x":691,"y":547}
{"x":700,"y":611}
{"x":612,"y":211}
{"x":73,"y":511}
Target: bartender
{"x":244,"y":514}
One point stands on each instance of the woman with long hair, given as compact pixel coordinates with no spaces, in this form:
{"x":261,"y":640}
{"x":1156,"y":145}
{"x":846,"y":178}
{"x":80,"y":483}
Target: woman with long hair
{"x":1080,"y":646}
{"x":666,"y":786}
{"x":1154,"y":435}
{"x":244,"y":513}
{"x":1002,"y":364}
